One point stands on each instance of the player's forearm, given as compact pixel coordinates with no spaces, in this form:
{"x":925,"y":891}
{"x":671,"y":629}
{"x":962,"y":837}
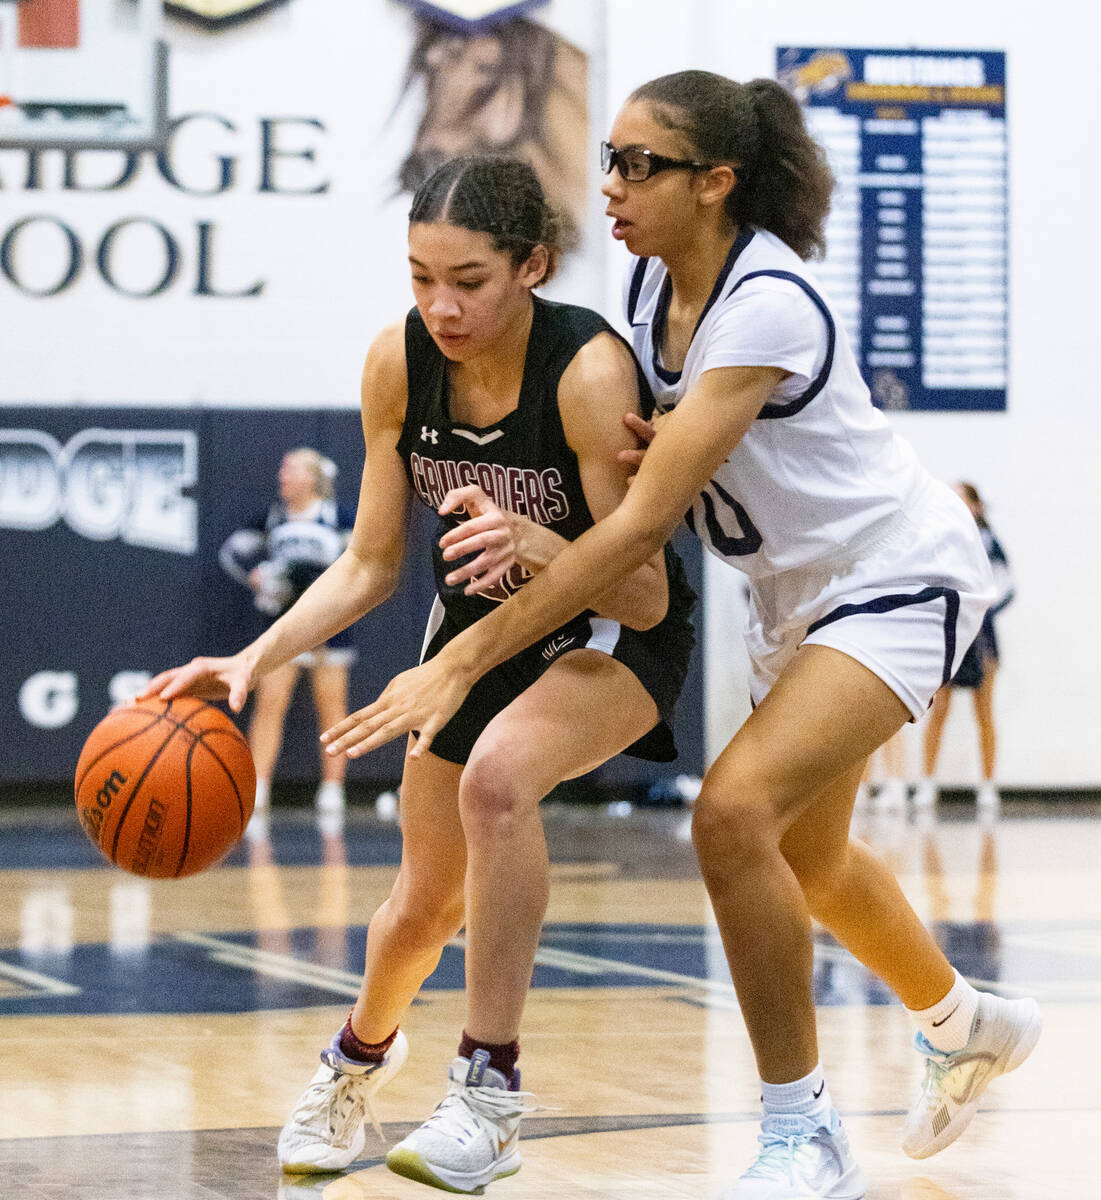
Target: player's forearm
{"x":638,"y":601}
{"x":347,"y":590}
{"x":576,"y":579}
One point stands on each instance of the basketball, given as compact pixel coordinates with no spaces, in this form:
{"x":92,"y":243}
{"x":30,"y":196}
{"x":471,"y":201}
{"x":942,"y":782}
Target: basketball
{"x":165,"y":787}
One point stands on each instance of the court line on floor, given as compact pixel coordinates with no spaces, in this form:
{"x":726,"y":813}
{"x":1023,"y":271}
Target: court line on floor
{"x":344,"y":983}
{"x":717,"y":991}
{"x":41,"y":985}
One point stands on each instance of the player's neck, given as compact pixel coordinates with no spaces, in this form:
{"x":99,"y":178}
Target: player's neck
{"x":694,"y":266}
{"x":493,"y":379}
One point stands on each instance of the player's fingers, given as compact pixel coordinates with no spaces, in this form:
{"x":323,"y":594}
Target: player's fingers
{"x":490,"y":530}
{"x":351,"y":731}
{"x":640,"y":428}
{"x":486,"y":580}
{"x":238,"y":692}
{"x":380,"y":735}
{"x":423,"y":743}
{"x":633,"y":458}
{"x":335,"y":732}
{"x":468,"y":497}
{"x":156,"y":685}
{"x":482,"y":571}
{"x":183,"y":679}
{"x":467,"y":546}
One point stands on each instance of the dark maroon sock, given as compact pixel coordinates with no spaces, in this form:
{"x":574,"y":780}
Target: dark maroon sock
{"x":501,"y":1058}
{"x":351,"y":1047}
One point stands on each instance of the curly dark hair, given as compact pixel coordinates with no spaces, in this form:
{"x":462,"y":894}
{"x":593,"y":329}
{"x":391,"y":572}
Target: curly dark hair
{"x":784,"y":181}
{"x":498,"y":196}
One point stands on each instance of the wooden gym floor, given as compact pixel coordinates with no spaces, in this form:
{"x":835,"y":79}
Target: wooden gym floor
{"x":154,"y":1035}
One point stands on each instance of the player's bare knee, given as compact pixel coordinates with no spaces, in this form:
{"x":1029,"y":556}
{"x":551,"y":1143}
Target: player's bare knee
{"x":492,"y":797}
{"x":731,"y":827}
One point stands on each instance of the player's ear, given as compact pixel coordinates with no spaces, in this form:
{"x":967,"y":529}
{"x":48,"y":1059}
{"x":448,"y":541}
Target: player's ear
{"x":535,"y":267}
{"x":717,"y":183}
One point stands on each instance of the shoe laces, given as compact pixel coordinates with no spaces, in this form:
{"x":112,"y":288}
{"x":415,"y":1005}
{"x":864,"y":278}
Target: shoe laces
{"x":496,"y":1105}
{"x":783,"y":1145}
{"x":937,"y":1064}
{"x":334,"y":1107}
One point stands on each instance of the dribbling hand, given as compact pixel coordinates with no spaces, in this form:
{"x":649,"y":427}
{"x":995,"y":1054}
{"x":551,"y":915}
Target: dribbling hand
{"x":205,"y":679}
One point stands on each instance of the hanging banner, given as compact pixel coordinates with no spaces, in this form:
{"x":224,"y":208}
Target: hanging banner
{"x":917,"y":256}
{"x":255,"y":256}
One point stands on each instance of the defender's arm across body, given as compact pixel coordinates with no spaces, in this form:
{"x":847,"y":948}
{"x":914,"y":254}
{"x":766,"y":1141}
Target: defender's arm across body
{"x":593,"y":392}
{"x":689,"y":447}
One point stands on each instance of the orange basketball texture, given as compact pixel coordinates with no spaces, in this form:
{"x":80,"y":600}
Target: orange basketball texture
{"x":165,"y":787}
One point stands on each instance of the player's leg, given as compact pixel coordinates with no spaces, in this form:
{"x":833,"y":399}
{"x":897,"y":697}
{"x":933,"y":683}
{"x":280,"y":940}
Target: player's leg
{"x":584,"y":709}
{"x":851,"y":891}
{"x":925,"y":794}
{"x":983,"y":699}
{"x":269,"y":710}
{"x":425,"y":908}
{"x":797,"y":759}
{"x":799,"y":755}
{"x":405,"y":939}
{"x":329,"y":682}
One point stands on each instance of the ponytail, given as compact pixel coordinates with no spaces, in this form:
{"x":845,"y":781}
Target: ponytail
{"x":786,"y":190}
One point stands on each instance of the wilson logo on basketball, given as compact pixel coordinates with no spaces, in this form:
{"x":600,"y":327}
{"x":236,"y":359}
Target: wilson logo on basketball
{"x":91,"y":818}
{"x":150,"y":837}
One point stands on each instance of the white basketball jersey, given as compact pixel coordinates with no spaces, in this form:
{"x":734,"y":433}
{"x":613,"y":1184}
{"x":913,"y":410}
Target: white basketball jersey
{"x":820,"y":472}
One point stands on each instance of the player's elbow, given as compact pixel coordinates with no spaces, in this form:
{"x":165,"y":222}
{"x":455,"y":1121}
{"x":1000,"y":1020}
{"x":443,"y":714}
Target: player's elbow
{"x":651,"y":602}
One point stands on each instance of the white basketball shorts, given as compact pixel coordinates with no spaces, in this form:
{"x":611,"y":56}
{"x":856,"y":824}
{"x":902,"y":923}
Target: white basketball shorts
{"x":906,"y":604}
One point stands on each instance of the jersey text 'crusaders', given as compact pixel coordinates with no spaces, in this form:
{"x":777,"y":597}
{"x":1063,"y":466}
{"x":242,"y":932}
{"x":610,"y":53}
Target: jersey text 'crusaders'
{"x":522,"y":462}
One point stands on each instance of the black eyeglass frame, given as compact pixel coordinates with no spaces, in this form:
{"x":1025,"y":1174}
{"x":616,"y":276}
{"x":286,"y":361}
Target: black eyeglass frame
{"x":609,"y":160}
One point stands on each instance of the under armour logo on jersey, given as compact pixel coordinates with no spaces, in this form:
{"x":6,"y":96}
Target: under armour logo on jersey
{"x":429,"y":435}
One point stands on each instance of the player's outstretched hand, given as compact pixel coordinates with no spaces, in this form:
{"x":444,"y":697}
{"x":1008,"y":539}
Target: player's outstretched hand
{"x":205,"y":679}
{"x":423,"y":699}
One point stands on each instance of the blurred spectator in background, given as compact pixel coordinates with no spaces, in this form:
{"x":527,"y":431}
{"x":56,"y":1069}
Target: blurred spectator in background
{"x":976,"y":672}
{"x":277,"y":557}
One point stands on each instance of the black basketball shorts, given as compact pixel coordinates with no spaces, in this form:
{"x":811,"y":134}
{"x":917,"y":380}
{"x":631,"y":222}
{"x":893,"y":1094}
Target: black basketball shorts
{"x":658,"y":657}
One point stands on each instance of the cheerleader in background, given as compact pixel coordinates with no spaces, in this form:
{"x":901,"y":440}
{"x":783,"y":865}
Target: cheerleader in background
{"x":976,"y":672}
{"x":277,"y":557}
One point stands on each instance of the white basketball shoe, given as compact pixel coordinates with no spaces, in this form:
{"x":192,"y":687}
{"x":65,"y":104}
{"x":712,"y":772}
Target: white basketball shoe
{"x":1003,"y":1034}
{"x":325,"y":1131}
{"x":801,"y":1159}
{"x":471,"y":1139}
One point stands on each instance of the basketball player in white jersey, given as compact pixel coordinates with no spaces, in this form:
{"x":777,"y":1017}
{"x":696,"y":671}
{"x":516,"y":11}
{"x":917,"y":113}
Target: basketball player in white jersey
{"x":867,"y":578}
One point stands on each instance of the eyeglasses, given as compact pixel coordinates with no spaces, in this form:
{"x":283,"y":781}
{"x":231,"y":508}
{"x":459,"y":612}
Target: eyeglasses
{"x":636,"y":164}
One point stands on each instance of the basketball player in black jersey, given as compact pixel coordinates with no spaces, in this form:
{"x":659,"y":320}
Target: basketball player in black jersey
{"x":516,"y":404}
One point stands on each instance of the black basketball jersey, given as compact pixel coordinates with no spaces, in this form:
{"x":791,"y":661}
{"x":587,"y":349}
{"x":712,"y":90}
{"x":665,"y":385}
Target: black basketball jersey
{"x":523,"y":462}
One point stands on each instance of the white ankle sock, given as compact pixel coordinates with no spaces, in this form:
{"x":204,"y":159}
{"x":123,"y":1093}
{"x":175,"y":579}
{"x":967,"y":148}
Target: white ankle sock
{"x":808,"y":1096}
{"x":947,"y":1024}
{"x":263,"y":794}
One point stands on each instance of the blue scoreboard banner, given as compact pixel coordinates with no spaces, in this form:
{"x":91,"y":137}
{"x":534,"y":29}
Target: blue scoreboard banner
{"x":917,"y":258}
